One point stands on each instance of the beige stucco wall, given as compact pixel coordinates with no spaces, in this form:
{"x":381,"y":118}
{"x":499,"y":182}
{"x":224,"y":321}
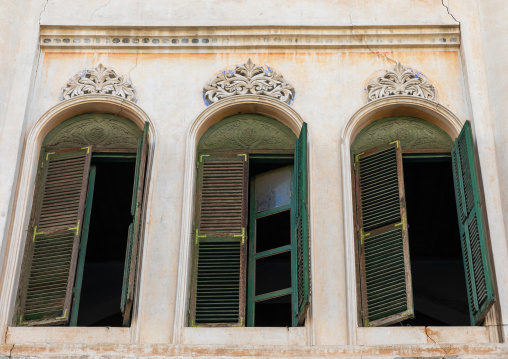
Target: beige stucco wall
{"x":330,"y":87}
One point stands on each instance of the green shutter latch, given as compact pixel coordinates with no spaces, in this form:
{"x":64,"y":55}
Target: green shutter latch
{"x":76,"y":228}
{"x":241,"y":235}
{"x":87,"y":149}
{"x":63,"y":316}
{"x":198,"y":235}
{"x":21,"y":322}
{"x":403,"y":223}
{"x":244,"y":155}
{"x":239,"y":325}
{"x":362,"y":236}
{"x":49,"y":153}
{"x":358,"y":156}
{"x":201,"y":157}
{"x":397,"y":142}
{"x":36,"y":233}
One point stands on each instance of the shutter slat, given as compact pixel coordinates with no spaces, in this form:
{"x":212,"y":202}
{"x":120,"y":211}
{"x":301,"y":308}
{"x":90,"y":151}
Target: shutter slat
{"x":384,"y":250}
{"x":472,"y":231}
{"x":51,"y":250}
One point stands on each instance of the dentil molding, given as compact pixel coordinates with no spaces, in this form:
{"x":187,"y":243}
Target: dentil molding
{"x":185,"y":39}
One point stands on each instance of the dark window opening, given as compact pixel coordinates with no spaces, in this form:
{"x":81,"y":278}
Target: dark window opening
{"x":273,"y":273}
{"x":107,"y":239}
{"x":437,"y":269}
{"x":275,"y":312}
{"x":273,"y":231}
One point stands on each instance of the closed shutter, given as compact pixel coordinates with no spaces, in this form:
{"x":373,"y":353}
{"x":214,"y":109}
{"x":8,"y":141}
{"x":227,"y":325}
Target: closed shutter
{"x":220,"y":242}
{"x":302,"y":279}
{"x":133,"y":244}
{"x":49,"y":263}
{"x":472,"y":229}
{"x":385,"y":270}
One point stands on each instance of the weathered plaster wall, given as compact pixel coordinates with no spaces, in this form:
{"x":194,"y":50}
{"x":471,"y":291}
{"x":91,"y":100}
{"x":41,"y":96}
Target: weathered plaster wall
{"x":493,"y":17}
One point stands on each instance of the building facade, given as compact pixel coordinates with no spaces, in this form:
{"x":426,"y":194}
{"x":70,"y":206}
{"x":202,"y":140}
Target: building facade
{"x":253,"y":179}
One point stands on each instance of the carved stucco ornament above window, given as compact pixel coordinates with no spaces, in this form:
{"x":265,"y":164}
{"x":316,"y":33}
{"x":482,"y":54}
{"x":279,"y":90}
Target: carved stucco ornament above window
{"x":249,"y":78}
{"x":101,"y":80}
{"x":400,"y":81}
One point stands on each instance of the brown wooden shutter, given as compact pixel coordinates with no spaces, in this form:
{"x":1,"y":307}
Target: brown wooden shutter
{"x":382,"y":236}
{"x":133,"y":243}
{"x":302,"y":255}
{"x":475,"y":252}
{"x":49,"y":262}
{"x":220,"y":242}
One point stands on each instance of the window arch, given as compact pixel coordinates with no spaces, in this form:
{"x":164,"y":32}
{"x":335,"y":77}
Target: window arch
{"x":250,"y":242}
{"x":397,"y":153}
{"x":73,"y":247}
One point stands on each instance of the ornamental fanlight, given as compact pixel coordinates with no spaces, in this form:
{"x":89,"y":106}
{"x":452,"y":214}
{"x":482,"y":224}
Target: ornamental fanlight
{"x":100,"y":80}
{"x":400,"y":81}
{"x":249,"y":78}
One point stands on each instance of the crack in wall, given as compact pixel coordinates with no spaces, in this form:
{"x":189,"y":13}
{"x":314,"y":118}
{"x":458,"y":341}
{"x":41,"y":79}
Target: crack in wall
{"x":377,"y":53}
{"x":42,"y":12}
{"x":448,"y":11}
{"x":100,"y":7}
{"x":443,"y":349}
{"x":10,"y":351}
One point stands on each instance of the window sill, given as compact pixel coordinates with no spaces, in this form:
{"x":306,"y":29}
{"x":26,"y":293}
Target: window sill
{"x":110,"y":335}
{"x":245,"y":336}
{"x":421,"y":335}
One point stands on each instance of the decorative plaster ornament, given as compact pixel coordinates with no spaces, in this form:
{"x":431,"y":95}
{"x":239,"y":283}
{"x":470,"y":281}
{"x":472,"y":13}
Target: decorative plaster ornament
{"x":249,"y":78}
{"x":99,"y":80}
{"x":400,"y":81}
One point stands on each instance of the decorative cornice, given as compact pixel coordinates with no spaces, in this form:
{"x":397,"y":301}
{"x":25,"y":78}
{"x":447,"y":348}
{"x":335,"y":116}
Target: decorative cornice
{"x":185,"y":39}
{"x":248,"y":78}
{"x":400,"y":81}
{"x":99,"y":80}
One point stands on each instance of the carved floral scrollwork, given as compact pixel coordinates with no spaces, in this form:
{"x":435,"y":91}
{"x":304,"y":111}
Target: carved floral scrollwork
{"x":400,"y":81}
{"x":249,"y":78}
{"x":99,"y":80}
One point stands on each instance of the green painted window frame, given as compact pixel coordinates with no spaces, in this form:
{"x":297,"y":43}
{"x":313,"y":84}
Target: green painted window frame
{"x":252,"y":299}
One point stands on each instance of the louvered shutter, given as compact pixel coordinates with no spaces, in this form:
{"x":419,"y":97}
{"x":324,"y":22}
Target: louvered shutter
{"x":385,"y":270}
{"x":220,"y":242}
{"x":472,"y":231}
{"x":302,"y":278}
{"x":133,"y":245}
{"x":49,"y":263}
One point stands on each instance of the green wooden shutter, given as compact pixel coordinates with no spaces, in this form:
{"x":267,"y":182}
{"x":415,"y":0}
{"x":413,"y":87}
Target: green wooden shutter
{"x":49,"y":262}
{"x":220,"y":242}
{"x":472,"y":230}
{"x":301,"y":272}
{"x":385,"y":271}
{"x":133,"y":245}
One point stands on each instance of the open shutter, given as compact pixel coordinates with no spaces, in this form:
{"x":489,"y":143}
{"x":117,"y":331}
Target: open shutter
{"x":220,"y":242}
{"x":302,"y":278}
{"x":385,"y":271}
{"x":49,"y":262}
{"x":132,"y":251}
{"x":472,"y":230}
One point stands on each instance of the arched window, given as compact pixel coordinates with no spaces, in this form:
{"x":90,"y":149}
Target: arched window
{"x":419,"y":226}
{"x":82,"y":244}
{"x":250,"y":245}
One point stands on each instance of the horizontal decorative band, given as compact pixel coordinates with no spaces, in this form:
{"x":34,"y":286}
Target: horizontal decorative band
{"x":443,"y":36}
